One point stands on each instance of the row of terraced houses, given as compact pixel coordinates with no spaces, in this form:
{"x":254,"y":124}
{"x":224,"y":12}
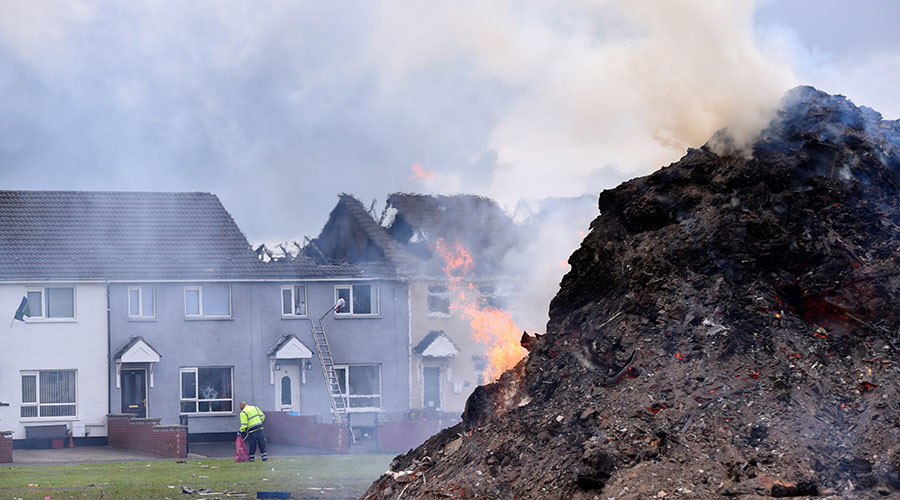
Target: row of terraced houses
{"x":155,"y":305}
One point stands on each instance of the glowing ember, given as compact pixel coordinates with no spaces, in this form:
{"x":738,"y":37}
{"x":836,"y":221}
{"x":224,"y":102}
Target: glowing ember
{"x":490,"y":326}
{"x":421,"y":173}
{"x":866,"y":386}
{"x":680,"y":356}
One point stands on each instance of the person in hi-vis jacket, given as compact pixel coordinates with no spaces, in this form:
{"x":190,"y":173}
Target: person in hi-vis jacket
{"x":252,"y":430}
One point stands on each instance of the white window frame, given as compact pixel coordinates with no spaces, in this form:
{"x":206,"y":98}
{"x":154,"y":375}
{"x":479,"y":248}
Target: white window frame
{"x":197,"y":399}
{"x":140,"y":312}
{"x":348,"y":397}
{"x":292,"y":289}
{"x":37,"y":397}
{"x":45,"y":297}
{"x":201,"y":315}
{"x":446,"y":294}
{"x":376,"y":291}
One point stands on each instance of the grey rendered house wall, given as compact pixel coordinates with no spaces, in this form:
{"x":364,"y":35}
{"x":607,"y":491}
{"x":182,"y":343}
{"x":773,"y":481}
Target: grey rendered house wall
{"x":241,"y":342}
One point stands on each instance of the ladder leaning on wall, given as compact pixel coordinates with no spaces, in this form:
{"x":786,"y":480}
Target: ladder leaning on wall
{"x":332,"y":385}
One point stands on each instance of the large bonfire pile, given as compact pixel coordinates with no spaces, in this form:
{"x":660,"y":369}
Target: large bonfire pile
{"x":729,"y":328}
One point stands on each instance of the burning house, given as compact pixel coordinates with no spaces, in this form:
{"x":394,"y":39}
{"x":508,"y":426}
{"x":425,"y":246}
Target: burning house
{"x":729,"y":327}
{"x":448,"y":250}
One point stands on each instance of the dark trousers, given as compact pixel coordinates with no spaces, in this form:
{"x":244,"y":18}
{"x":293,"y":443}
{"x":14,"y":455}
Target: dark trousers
{"x":256,"y":438}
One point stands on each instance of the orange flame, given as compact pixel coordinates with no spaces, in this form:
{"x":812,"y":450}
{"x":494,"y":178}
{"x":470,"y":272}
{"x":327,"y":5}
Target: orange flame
{"x":490,"y":326}
{"x":421,"y":173}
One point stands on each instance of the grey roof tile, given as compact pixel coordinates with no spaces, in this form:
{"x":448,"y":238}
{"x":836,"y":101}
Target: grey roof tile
{"x":117,"y":235}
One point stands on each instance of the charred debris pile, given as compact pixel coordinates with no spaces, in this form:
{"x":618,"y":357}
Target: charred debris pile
{"x":729,"y":328}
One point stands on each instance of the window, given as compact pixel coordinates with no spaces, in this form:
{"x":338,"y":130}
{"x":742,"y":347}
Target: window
{"x":492,"y":297}
{"x":51,"y":302}
{"x":358,"y":299}
{"x":293,"y":300}
{"x":438,"y":301}
{"x":141,"y":303}
{"x":207,"y":301}
{"x":48,"y":394}
{"x":364,"y":382}
{"x":206,"y":390}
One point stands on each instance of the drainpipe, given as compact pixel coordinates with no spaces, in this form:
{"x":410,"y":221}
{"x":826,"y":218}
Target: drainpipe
{"x":108,"y":354}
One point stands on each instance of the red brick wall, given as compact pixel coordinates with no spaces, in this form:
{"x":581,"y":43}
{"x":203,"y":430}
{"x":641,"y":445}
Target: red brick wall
{"x":146,"y":435}
{"x":301,"y":430}
{"x":5,"y":447}
{"x":402,"y":436}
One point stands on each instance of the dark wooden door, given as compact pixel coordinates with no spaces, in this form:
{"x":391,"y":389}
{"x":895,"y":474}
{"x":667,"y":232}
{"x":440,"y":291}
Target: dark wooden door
{"x":134,"y":392}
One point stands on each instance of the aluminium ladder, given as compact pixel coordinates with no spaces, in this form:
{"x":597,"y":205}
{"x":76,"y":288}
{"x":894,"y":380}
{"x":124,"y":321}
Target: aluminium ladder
{"x":332,"y":385}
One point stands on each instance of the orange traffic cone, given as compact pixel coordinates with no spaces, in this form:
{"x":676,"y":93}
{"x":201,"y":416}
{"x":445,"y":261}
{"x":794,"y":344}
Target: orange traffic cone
{"x":71,"y":441}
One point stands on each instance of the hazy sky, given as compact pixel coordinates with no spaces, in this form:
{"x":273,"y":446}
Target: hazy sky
{"x":278,"y":106}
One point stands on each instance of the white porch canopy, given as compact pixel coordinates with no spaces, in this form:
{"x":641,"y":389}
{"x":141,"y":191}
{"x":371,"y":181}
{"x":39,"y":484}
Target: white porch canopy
{"x":136,"y":350}
{"x":287,"y":347}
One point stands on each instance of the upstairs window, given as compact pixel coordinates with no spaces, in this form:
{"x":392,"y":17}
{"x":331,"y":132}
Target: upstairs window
{"x":438,"y":301}
{"x":293,"y":300}
{"x":207,"y":301}
{"x":359,"y":300}
{"x":141,"y":302}
{"x":51,"y":302}
{"x":492,"y":297}
{"x":207,"y":390}
{"x":48,"y":394}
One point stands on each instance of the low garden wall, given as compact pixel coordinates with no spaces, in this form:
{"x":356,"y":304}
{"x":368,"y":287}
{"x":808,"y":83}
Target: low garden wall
{"x":303,"y":430}
{"x":146,"y":435}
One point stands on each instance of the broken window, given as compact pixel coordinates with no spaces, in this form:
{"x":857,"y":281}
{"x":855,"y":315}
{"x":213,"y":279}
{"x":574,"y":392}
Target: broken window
{"x":48,"y":394}
{"x":293,"y":300}
{"x":207,"y":301}
{"x":364,"y":382}
{"x":141,"y":303}
{"x":358,"y":299}
{"x":206,"y":390}
{"x":431,"y":380}
{"x":438,"y":301}
{"x":51,"y":302}
{"x":492,"y":297}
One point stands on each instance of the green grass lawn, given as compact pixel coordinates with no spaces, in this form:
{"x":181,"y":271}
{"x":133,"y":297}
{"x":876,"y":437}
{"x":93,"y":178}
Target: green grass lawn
{"x":332,"y":477}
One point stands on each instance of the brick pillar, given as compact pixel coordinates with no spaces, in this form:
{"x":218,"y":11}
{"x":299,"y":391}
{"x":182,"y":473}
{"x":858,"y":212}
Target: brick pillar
{"x":6,"y":448}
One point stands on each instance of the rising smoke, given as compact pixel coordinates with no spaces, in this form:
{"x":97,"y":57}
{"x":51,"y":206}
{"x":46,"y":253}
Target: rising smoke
{"x":604,"y":90}
{"x":276,"y":107}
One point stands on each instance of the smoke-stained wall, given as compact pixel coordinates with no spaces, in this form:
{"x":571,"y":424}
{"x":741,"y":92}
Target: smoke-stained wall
{"x":457,"y":372}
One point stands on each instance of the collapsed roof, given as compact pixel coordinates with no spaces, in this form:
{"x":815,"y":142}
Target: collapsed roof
{"x":410,"y":225}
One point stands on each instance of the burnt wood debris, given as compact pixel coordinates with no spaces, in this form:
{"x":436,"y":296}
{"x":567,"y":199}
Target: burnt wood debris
{"x":729,"y":328}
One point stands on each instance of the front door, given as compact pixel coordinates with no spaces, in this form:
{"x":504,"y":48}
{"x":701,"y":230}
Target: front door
{"x":287,"y":388}
{"x":134,"y":392}
{"x":431,"y":390}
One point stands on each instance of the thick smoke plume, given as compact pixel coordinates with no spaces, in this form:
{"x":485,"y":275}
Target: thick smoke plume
{"x":278,"y":106}
{"x":603,"y":90}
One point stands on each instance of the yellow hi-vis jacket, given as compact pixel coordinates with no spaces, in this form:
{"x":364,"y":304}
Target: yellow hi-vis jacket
{"x":251,"y":419}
